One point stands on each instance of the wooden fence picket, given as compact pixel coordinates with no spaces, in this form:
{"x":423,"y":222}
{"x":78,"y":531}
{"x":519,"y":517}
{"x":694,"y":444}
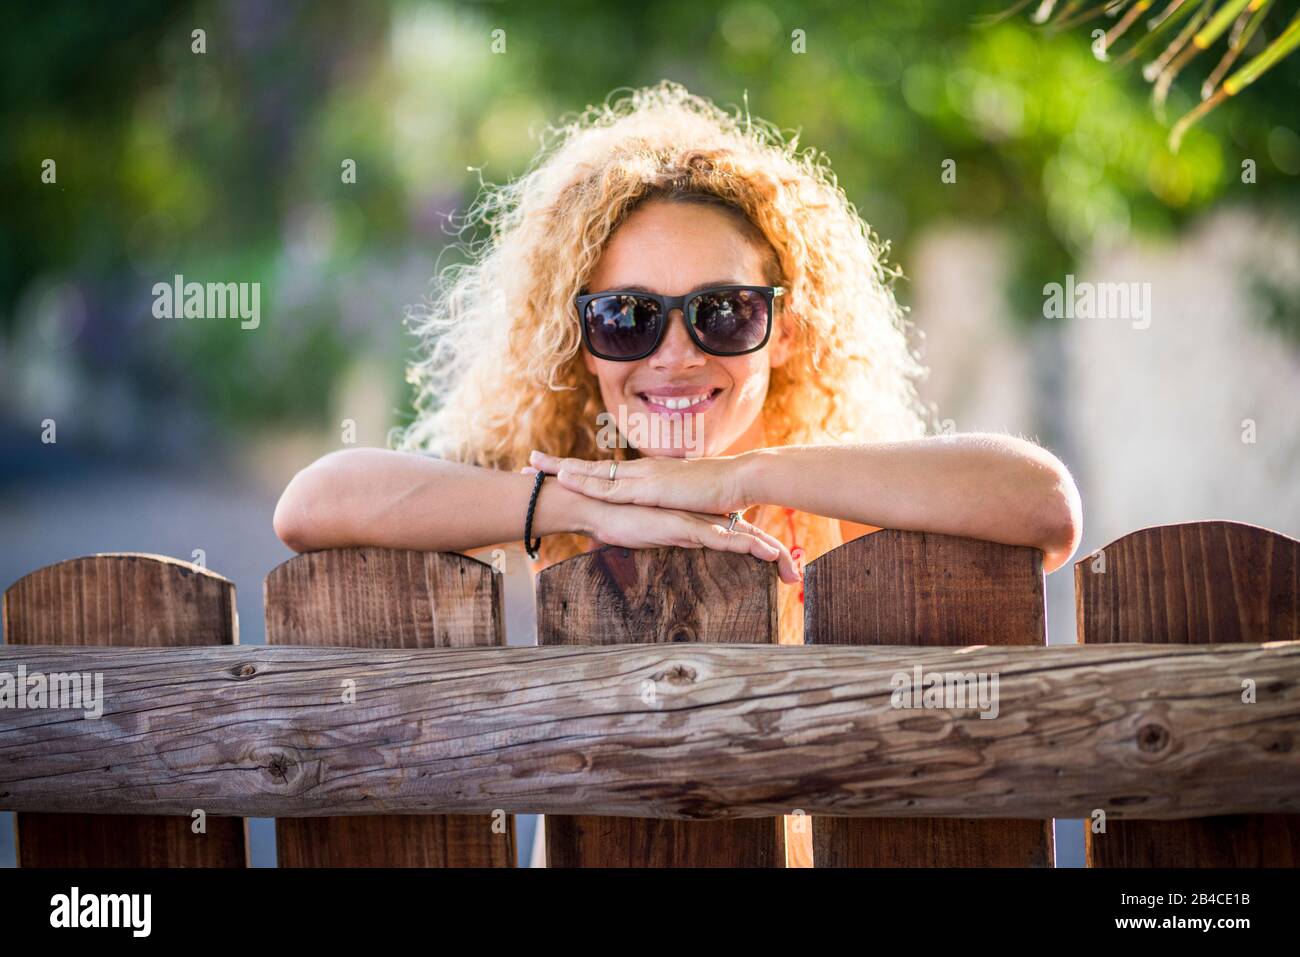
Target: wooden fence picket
{"x":388,"y":598}
{"x":1194,"y":583}
{"x":917,"y":588}
{"x":124,"y":601}
{"x":621,"y":596}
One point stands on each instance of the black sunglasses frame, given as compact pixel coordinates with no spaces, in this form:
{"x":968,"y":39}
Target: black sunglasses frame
{"x":667,"y":304}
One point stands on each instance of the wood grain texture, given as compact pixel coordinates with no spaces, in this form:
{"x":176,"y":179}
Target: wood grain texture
{"x":918,"y":588}
{"x":729,"y":730}
{"x":1196,"y":583}
{"x":124,"y":601}
{"x":388,"y":598}
{"x":121,"y":601}
{"x":621,"y":596}
{"x":625,"y":596}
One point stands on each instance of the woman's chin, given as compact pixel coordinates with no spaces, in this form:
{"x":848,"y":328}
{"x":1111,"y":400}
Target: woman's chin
{"x":669,"y":452}
{"x":666,"y":435}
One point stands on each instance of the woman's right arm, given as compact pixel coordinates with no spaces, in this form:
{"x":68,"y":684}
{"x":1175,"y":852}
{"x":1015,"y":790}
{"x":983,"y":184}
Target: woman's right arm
{"x":406,"y":500}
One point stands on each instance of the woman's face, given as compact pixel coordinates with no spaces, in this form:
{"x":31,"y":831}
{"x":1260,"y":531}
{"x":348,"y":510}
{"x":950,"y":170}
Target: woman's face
{"x":674,"y":248}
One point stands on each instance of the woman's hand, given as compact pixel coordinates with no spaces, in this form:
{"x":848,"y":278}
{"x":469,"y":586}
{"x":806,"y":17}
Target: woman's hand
{"x":639,"y":526}
{"x":708,"y":485}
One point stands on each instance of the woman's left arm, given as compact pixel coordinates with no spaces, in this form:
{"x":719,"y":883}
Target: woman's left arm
{"x":994,"y":487}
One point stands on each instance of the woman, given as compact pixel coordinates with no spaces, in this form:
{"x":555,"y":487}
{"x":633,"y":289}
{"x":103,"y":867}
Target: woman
{"x":600,"y":322}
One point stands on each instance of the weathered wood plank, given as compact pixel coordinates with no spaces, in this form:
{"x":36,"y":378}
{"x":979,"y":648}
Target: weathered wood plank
{"x":897,"y":587}
{"x":121,"y":601}
{"x":387,"y":598}
{"x":1143,"y":731}
{"x":625,"y":596}
{"x":918,"y":588}
{"x":1196,"y":583}
{"x":124,"y":600}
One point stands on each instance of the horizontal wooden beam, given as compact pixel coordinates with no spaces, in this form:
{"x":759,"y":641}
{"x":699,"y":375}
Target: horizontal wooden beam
{"x":667,"y":730}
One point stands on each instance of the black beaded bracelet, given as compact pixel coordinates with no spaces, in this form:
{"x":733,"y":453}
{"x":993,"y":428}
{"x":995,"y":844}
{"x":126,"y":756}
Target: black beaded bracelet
{"x":533,"y":548}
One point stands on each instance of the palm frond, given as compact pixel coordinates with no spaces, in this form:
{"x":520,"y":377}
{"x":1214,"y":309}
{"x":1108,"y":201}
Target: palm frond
{"x":1165,"y":69}
{"x":1187,"y":28}
{"x":1243,"y":31}
{"x":1157,"y":28}
{"x":1272,"y":55}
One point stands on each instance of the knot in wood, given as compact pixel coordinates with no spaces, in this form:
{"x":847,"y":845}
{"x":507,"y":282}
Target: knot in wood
{"x":1152,"y":738}
{"x":279,"y":767}
{"x":245,"y":670}
{"x":1281,"y":744}
{"x":677,"y":675}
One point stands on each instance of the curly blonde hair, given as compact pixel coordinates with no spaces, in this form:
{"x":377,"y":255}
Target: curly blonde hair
{"x":502,"y":373}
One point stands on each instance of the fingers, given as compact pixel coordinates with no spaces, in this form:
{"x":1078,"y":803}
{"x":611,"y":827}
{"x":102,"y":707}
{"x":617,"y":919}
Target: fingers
{"x":547,"y":463}
{"x":787,"y":568}
{"x":636,"y":527}
{"x":554,"y":464}
{"x":746,"y":539}
{"x":619,"y":491}
{"x":592,"y":478}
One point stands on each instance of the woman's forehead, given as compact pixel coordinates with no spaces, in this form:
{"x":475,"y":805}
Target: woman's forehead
{"x":675,"y":248}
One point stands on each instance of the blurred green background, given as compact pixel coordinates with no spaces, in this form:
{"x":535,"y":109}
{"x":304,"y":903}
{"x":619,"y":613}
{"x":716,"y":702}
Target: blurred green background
{"x":227,"y":164}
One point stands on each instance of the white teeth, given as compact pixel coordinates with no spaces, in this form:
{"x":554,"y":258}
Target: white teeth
{"x":678,"y":402}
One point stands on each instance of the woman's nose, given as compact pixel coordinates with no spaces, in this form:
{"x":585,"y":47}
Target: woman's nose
{"x":678,"y":348}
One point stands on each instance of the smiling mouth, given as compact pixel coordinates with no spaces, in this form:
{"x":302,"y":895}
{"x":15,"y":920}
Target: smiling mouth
{"x":667,"y":404}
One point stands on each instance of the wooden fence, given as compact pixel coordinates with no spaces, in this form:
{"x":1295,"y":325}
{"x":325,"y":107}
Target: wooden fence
{"x":658,"y":723}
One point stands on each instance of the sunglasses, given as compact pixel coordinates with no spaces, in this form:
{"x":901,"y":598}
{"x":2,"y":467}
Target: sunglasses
{"x":722,"y":320}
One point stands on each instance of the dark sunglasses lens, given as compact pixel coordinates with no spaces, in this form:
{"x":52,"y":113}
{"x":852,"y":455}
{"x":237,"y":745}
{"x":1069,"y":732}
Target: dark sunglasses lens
{"x":733,"y":321}
{"x":622,"y":327}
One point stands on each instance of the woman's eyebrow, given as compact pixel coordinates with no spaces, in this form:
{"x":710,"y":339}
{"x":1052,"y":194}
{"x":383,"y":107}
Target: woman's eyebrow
{"x":654,"y":292}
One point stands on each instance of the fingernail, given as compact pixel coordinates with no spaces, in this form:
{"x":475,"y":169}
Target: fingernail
{"x":528,"y":470}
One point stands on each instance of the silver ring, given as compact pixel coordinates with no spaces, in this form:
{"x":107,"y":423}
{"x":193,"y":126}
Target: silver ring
{"x":613,"y":467}
{"x":735,"y":517}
